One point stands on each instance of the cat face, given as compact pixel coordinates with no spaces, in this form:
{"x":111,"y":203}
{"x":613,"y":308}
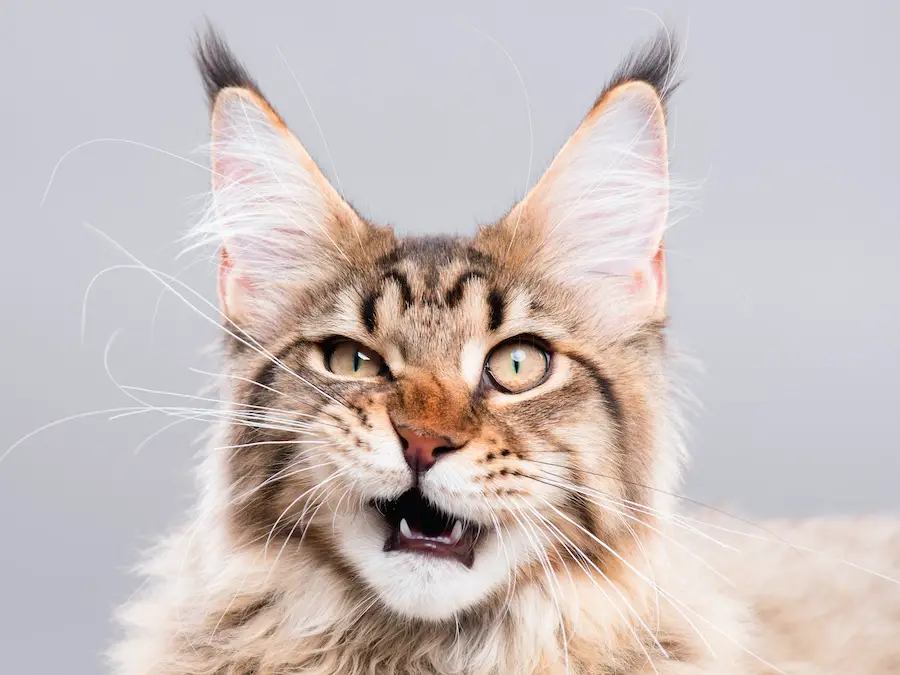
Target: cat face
{"x":440,"y":421}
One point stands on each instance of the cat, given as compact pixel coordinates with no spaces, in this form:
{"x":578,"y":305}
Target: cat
{"x":460,"y":456}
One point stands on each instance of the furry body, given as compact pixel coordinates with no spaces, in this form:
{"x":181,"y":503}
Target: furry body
{"x":804,"y":613}
{"x":458,"y":456}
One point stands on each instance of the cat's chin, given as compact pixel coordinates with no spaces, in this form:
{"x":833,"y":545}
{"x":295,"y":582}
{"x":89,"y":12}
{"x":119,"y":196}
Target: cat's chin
{"x":421,"y":579}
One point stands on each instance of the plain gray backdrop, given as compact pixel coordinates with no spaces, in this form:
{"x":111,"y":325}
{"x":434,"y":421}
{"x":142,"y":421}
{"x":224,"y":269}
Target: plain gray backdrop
{"x":784,"y":278}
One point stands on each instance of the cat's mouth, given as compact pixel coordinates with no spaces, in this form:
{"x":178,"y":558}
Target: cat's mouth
{"x":419,"y":527}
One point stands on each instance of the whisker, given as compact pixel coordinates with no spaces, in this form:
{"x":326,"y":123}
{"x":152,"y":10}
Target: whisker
{"x":530,"y":130}
{"x":797,"y":547}
{"x":567,"y":543}
{"x":545,"y":565}
{"x":312,"y":113}
{"x":674,"y":495}
{"x":575,"y":488}
{"x":118,"y":412}
{"x":291,"y":505}
{"x":676,"y":603}
{"x":249,"y":381}
{"x":168,"y":281}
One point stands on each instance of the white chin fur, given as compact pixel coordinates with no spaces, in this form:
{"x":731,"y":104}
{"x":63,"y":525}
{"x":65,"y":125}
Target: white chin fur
{"x":416,"y":585}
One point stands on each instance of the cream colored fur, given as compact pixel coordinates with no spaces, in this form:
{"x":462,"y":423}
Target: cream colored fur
{"x":806,"y":609}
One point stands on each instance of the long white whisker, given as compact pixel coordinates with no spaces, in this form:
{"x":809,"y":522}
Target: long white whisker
{"x":161,"y":277}
{"x":575,"y":488}
{"x":567,"y":543}
{"x":312,"y":113}
{"x":676,"y":603}
{"x":530,"y":129}
{"x":548,"y":571}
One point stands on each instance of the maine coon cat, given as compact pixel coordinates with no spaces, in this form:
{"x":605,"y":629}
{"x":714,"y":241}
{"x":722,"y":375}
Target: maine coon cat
{"x":459,"y":456}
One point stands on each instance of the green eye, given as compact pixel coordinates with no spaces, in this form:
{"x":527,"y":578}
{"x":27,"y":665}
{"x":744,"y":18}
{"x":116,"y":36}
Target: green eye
{"x":351,"y":359}
{"x":517,"y":365}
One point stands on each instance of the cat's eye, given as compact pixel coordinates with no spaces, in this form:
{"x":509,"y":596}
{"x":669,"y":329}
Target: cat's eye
{"x":518,"y":365}
{"x":350,"y":359}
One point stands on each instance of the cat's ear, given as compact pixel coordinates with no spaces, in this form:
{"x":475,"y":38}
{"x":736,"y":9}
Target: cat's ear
{"x":278,"y":221}
{"x":600,"y":210}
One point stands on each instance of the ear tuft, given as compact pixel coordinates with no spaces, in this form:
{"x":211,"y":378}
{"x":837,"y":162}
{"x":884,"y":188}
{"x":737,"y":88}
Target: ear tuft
{"x":655,"y":63}
{"x":597,"y":216}
{"x":219,"y":67}
{"x":279,"y":224}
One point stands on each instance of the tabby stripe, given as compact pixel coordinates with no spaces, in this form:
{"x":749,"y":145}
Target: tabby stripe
{"x":579,"y":503}
{"x":265,"y":376}
{"x":497,"y":307}
{"x":400,"y":279}
{"x":283,"y":455}
{"x":368,"y":312}
{"x":455,"y":294}
{"x":631,"y":482}
{"x":605,"y":387}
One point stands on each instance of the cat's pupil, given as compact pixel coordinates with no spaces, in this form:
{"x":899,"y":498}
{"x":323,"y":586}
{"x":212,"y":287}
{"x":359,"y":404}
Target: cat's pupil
{"x":358,"y":359}
{"x":517,"y":356}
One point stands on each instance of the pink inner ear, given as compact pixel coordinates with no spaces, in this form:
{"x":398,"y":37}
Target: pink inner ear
{"x":229,"y":172}
{"x":234,"y":288}
{"x":658,"y":267}
{"x":226,"y":267}
{"x":657,"y":282}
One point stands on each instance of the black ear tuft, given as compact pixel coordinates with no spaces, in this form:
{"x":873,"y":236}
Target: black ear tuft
{"x":656,"y":63}
{"x":219,"y":67}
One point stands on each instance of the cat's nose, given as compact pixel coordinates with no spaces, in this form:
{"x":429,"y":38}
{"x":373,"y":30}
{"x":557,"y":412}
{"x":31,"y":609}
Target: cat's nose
{"x":421,"y":450}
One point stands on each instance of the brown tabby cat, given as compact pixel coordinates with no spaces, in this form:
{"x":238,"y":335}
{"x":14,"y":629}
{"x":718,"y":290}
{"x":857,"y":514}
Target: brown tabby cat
{"x":456,"y":456}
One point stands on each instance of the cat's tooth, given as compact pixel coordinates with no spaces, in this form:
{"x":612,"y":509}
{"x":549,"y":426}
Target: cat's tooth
{"x":404,"y":529}
{"x":456,"y":532}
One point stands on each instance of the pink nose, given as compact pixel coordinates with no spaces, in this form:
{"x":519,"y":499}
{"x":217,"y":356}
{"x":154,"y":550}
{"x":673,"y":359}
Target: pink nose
{"x":421,"y":451}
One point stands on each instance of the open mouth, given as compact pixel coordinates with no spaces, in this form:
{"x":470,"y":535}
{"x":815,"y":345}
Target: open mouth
{"x":419,"y":527}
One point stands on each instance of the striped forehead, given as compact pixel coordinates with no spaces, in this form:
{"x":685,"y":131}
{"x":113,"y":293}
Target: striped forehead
{"x":432,"y":294}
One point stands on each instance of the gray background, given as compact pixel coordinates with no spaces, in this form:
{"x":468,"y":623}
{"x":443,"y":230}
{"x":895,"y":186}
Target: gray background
{"x":784,"y":279}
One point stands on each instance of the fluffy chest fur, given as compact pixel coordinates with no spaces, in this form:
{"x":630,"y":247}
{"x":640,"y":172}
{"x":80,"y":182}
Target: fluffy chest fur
{"x":759,"y":606}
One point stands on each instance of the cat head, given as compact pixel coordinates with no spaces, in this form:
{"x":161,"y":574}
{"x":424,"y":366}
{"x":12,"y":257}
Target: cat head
{"x":439,"y":421}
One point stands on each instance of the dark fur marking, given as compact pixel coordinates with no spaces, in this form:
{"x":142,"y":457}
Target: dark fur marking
{"x":285,"y":351}
{"x":279,"y":457}
{"x":605,"y":387}
{"x":368,"y":312}
{"x":219,"y":67}
{"x":265,"y":379}
{"x":391,"y":258}
{"x":265,"y":376}
{"x":455,"y":294}
{"x":433,"y":250}
{"x":403,"y":283}
{"x":579,"y":504}
{"x":497,"y":306}
{"x":654,"y":63}
{"x":537,"y":307}
{"x":235,"y":618}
